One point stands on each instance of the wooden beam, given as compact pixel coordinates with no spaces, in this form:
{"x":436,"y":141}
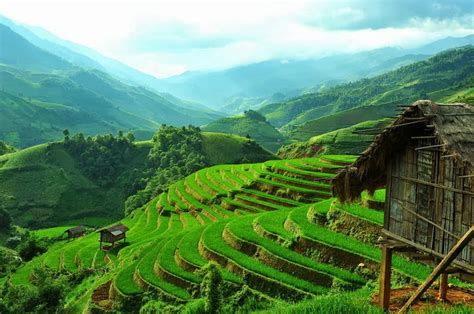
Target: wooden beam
{"x":445,"y":262}
{"x":385,"y":277}
{"x":430,"y":146}
{"x":444,"y":187}
{"x":462,"y":266}
{"x":405,"y":124}
{"x":443,"y":286}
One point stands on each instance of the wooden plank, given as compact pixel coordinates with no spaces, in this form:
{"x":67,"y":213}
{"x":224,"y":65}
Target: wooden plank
{"x":445,"y":262}
{"x":385,"y":277}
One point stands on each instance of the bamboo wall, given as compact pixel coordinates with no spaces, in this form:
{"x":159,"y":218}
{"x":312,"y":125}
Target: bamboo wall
{"x":422,"y":183}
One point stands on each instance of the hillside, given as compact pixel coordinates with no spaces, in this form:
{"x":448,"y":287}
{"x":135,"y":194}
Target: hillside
{"x":47,"y":185}
{"x":260,"y":222}
{"x":341,"y":141}
{"x":52,"y":90}
{"x":441,"y":76}
{"x":249,"y":86}
{"x":252,"y":124}
{"x":19,"y":52}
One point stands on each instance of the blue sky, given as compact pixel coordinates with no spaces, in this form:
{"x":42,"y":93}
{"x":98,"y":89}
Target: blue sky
{"x":167,"y":37}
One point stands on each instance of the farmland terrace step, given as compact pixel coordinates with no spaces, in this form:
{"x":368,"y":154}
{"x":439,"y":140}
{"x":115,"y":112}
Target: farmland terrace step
{"x":281,"y":201}
{"x":241,"y":235}
{"x":262,"y":183}
{"x":295,"y":181}
{"x":258,"y":276}
{"x":147,"y":278}
{"x":193,"y":188}
{"x":167,"y":269}
{"x":338,"y":159}
{"x":233,"y":205}
{"x":313,"y":166}
{"x":264,"y":205}
{"x":350,"y":250}
{"x":287,"y":170}
{"x":188,"y":258}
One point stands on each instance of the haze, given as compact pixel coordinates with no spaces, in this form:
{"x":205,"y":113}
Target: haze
{"x":165,"y":38}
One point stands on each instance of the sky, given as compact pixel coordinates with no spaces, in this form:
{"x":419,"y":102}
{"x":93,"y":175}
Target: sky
{"x":169,"y":37}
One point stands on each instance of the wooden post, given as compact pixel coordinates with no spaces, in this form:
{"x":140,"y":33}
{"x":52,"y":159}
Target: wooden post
{"x":385,"y":277}
{"x":445,"y":262}
{"x":443,"y":286}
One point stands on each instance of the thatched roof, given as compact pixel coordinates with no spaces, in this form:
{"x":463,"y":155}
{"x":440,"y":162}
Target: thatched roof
{"x":76,"y":230}
{"x":115,"y":229}
{"x":453,"y":126}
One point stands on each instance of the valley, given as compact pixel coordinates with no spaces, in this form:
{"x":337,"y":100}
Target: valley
{"x":201,"y":158}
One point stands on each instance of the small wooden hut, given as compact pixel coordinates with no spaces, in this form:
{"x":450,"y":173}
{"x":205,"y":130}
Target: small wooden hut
{"x":113,"y":234}
{"x":425,"y":159}
{"x":75,"y":232}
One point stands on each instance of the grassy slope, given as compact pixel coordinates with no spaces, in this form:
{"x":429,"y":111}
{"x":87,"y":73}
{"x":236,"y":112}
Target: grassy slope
{"x":263,"y":132}
{"x":43,"y":186}
{"x":155,"y":236}
{"x":341,"y":141}
{"x":445,"y":75}
{"x":222,"y":148}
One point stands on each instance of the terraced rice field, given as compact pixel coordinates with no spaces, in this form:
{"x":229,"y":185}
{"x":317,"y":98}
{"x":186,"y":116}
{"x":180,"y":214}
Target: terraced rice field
{"x":262,"y":222}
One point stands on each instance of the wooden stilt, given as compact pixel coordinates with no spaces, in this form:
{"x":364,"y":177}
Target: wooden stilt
{"x":443,"y":286}
{"x":445,"y":262}
{"x":385,"y":277}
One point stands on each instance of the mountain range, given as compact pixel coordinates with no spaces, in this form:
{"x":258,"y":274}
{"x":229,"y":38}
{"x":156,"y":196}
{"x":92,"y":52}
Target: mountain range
{"x":49,"y":84}
{"x":42,"y":94}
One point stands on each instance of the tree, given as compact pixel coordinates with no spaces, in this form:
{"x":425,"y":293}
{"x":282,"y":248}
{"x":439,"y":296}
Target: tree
{"x":211,"y":287}
{"x":5,"y":220}
{"x":130,"y":137}
{"x":66,"y":135}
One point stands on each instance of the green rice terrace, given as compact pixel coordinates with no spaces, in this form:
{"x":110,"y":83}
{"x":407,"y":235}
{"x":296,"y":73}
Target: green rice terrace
{"x":271,"y":226}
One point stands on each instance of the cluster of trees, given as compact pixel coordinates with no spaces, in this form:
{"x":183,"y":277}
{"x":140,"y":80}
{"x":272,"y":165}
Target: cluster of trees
{"x":46,"y":294}
{"x":254,"y":115}
{"x":102,"y":158}
{"x":5,"y":148}
{"x":176,"y":153}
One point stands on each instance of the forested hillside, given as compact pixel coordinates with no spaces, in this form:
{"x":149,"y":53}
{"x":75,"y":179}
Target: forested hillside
{"x":251,"y":124}
{"x":446,"y":75}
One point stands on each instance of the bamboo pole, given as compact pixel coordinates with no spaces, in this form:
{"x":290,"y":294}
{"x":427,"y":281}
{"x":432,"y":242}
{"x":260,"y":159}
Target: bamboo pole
{"x":385,"y":277}
{"x":445,"y":262}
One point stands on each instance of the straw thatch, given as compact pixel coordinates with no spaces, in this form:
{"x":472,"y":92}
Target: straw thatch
{"x":452,"y":124}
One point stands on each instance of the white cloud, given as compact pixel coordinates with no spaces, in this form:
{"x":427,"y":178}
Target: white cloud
{"x":164,"y":37}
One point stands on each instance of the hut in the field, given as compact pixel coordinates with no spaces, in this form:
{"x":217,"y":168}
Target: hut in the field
{"x":425,"y":159}
{"x":75,"y":232}
{"x":113,"y":234}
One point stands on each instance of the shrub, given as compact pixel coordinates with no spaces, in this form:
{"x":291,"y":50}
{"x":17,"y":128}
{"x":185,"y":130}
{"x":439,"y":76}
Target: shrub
{"x":211,"y":287}
{"x":31,"y":248}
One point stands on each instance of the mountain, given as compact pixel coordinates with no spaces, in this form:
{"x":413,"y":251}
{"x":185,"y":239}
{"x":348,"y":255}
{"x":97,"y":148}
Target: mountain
{"x":248,"y":86}
{"x":241,"y":86}
{"x":252,"y":124}
{"x":440,"y":77}
{"x":39,"y":86}
{"x":17,"y":51}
